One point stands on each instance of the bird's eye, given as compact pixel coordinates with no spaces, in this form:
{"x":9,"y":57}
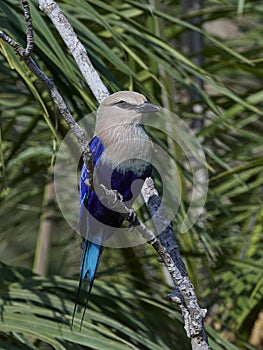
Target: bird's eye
{"x":121,"y":103}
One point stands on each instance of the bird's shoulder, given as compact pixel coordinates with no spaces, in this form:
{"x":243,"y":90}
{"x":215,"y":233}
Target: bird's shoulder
{"x":97,"y":148}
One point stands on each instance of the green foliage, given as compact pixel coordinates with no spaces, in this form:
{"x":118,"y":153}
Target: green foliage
{"x":40,"y":308}
{"x":37,"y":309}
{"x":134,"y":45}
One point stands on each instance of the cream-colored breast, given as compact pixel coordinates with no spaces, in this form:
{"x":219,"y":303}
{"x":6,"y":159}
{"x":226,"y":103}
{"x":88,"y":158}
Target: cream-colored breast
{"x":127,"y":147}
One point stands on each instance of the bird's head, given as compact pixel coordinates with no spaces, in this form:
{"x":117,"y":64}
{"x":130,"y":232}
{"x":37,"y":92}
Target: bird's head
{"x":123,"y":107}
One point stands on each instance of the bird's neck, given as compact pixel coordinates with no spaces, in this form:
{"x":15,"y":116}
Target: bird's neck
{"x":127,"y":143}
{"x":117,"y":133}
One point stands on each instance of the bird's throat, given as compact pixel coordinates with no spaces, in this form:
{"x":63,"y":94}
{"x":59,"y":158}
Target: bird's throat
{"x":127,"y":147}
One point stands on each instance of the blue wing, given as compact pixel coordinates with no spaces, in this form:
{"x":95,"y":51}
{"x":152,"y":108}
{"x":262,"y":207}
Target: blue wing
{"x":91,"y":251}
{"x":87,"y":196}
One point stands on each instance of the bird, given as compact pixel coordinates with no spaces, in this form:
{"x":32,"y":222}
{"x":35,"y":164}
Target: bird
{"x":121,"y":153}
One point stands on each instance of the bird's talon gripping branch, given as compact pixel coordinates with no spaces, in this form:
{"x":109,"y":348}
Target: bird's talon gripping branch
{"x":132,"y":217}
{"x":118,"y":198}
{"x":114,"y":195}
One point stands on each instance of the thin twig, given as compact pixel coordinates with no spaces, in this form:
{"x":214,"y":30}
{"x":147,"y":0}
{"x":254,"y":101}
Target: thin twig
{"x":29,"y":29}
{"x":58,"y":100}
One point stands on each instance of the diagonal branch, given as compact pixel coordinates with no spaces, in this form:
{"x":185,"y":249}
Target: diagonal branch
{"x":75,"y":47}
{"x":184,"y":293}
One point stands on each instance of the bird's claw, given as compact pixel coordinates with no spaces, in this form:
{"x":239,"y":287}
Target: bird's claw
{"x":132,"y":217}
{"x":114,"y":195}
{"x":118,"y":198}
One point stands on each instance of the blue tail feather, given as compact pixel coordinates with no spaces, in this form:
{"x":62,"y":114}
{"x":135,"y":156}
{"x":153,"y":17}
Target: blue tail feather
{"x":90,"y":259}
{"x":91,"y":253}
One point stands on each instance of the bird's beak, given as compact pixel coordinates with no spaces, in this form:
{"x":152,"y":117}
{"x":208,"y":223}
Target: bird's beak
{"x":148,"y":107}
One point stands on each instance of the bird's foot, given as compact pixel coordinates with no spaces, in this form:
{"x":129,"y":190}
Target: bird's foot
{"x":118,"y":198}
{"x":113,"y":195}
{"x":132,"y":218}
